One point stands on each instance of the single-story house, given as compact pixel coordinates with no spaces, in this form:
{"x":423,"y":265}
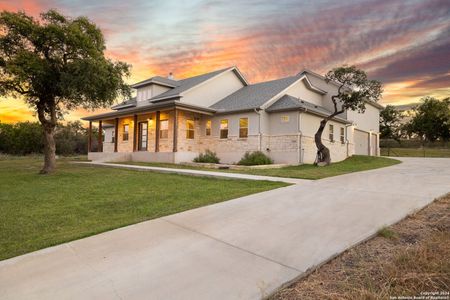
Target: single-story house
{"x":173,"y":120}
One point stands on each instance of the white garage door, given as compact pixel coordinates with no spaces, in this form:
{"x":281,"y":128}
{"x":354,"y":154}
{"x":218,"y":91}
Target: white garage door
{"x":361,"y":142}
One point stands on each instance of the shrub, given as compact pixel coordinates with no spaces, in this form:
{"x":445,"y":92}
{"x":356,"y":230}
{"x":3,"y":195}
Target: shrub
{"x":207,"y":157}
{"x":386,"y":233}
{"x":255,"y":158}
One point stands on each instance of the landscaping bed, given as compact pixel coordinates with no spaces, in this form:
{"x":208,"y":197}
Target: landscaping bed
{"x":355,"y":163}
{"x":410,"y":258}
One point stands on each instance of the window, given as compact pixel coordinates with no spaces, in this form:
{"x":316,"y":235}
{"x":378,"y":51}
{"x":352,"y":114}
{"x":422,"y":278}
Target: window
{"x":224,"y":129}
{"x":189,"y":129}
{"x":243,"y":127}
{"x":113,"y":136}
{"x":208,"y":127}
{"x":163,"y":129}
{"x":331,"y":133}
{"x":103,"y":135}
{"x":284,"y":119}
{"x":126,"y":128}
{"x":342,"y":135}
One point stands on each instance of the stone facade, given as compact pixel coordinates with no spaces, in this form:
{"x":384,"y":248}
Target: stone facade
{"x":293,"y":148}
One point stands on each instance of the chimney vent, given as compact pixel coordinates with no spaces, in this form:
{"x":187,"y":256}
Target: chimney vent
{"x":170,"y":76}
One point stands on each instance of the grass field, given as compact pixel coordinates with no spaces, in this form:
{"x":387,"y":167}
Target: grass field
{"x":414,"y":152}
{"x":353,"y":164}
{"x":38,"y":211}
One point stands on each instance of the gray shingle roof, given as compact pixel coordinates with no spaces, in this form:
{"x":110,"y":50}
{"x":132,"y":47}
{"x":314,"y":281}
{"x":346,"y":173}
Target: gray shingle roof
{"x":125,"y":104}
{"x":254,"y":95}
{"x":178,"y":86}
{"x":185,"y":84}
{"x":288,"y":102}
{"x":157,"y":80}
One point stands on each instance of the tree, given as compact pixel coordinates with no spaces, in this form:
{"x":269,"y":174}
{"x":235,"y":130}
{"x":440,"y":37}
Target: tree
{"x":57,"y":64}
{"x":354,"y":90}
{"x":431,"y":120}
{"x":390,"y":123}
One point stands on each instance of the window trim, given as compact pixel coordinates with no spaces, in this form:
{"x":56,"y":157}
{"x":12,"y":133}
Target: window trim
{"x":188,"y":130}
{"x":126,"y":133}
{"x":208,"y":128}
{"x":161,"y":130}
{"x":223,"y":130}
{"x":241,"y":128}
{"x":331,"y":132}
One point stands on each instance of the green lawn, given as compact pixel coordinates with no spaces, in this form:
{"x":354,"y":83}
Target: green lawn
{"x":38,"y":211}
{"x":353,"y":164}
{"x":414,"y":152}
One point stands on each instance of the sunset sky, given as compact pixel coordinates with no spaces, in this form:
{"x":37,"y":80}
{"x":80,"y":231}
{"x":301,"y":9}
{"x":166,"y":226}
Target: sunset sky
{"x":404,"y":44}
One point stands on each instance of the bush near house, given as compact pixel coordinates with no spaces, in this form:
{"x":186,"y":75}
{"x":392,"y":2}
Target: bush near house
{"x":207,"y":157}
{"x":255,"y":158}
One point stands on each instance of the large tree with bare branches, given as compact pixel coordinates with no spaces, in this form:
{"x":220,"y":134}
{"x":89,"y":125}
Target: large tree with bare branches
{"x":57,"y":64}
{"x":354,"y":90}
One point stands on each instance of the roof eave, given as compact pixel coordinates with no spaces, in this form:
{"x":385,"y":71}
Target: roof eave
{"x":309,"y":111}
{"x":150,"y":108}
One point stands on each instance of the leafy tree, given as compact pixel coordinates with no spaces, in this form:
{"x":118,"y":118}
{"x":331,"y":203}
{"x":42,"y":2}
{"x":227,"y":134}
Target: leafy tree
{"x":71,"y":138}
{"x":21,"y":138}
{"x":390,"y":123}
{"x":431,"y":120}
{"x":57,"y":64}
{"x":354,"y":90}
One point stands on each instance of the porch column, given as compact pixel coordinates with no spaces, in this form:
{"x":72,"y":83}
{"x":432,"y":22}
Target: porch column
{"x":135,"y":136}
{"x":116,"y":133}
{"x":100,"y":137}
{"x":90,"y":137}
{"x":157,"y":131}
{"x":175,"y":130}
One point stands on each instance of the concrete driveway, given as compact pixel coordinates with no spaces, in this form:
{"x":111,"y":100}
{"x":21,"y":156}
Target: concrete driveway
{"x":239,"y":249}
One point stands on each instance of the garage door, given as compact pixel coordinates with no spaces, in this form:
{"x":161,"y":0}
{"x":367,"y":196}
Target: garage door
{"x":361,"y":142}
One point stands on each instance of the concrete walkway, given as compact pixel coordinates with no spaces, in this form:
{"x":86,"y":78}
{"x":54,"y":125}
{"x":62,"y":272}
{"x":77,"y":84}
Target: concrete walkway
{"x":195,"y":172}
{"x":239,"y":249}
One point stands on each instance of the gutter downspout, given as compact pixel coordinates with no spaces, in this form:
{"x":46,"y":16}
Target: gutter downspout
{"x":259,"y":129}
{"x":346,"y":135}
{"x":299,"y":139}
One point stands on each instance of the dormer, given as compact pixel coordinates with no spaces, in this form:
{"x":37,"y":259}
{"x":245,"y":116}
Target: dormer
{"x":152,"y":87}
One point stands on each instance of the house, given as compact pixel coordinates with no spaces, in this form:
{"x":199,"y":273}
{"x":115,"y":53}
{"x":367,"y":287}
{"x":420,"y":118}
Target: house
{"x":174,"y":120}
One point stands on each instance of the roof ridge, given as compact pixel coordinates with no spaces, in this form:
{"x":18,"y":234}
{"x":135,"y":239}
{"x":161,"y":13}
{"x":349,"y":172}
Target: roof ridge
{"x":203,"y":74}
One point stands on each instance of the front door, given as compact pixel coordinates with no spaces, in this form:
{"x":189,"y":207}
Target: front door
{"x":143,"y":128}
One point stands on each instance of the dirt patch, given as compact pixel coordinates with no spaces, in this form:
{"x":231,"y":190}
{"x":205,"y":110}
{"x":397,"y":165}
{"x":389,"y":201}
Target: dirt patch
{"x":410,"y":258}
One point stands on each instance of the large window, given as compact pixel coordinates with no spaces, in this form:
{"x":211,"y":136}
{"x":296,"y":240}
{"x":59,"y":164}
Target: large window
{"x":243,"y":127}
{"x":189,"y":129}
{"x":342,"y":135}
{"x":331,"y":133}
{"x":224,"y":129}
{"x":163,"y":129}
{"x":208,"y":128}
{"x":126,"y":129}
{"x":113,"y":136}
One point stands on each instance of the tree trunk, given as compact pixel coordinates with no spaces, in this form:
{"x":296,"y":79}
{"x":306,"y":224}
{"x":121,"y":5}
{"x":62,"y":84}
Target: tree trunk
{"x":323,"y":153}
{"x":49,"y":150}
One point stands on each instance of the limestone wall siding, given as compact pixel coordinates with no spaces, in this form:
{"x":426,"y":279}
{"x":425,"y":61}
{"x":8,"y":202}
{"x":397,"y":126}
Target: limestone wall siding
{"x":285,"y":144}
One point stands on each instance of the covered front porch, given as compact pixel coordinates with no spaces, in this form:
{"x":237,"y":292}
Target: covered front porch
{"x":174,"y":133}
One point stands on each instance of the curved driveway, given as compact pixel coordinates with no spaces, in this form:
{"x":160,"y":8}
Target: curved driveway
{"x":239,"y":249}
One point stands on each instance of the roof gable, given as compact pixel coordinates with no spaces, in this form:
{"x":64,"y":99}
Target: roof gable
{"x":186,"y":84}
